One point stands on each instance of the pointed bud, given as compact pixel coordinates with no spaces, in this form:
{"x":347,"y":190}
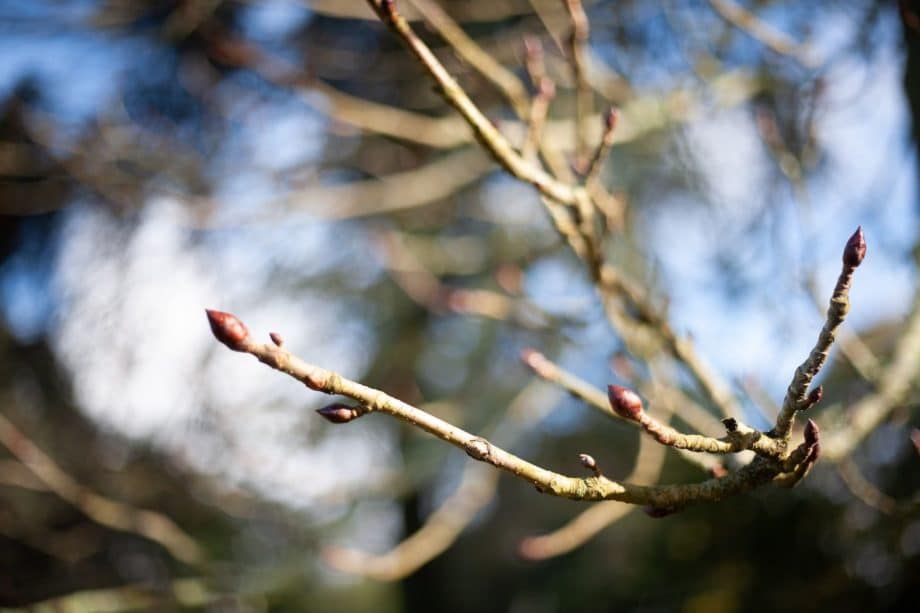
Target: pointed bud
{"x":276,"y":338}
{"x":812,"y":433}
{"x":815,"y":396}
{"x":228,"y":329}
{"x":915,"y":438}
{"x":718,"y":470}
{"x":855,"y":250}
{"x":339,"y":413}
{"x":587,"y":461}
{"x":625,"y":403}
{"x":610,"y":119}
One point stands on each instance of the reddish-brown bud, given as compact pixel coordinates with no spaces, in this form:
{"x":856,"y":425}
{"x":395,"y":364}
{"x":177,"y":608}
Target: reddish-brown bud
{"x":815,"y":396}
{"x":276,"y":338}
{"x":339,"y":413}
{"x":718,"y":470}
{"x":855,"y":250}
{"x":812,"y":433}
{"x":228,"y":329}
{"x":587,"y":461}
{"x":610,"y":119}
{"x":547,"y":88}
{"x":625,"y":403}
{"x":915,"y":438}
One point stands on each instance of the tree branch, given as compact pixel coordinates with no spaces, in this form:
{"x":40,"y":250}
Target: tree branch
{"x":229,"y":330}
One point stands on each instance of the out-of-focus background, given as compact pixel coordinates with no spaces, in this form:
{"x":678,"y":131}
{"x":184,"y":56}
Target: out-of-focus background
{"x":290,"y":162}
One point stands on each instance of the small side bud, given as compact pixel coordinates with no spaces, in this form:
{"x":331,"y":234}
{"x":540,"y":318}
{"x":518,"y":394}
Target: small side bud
{"x":276,"y":338}
{"x":855,"y":250}
{"x":228,"y":329}
{"x":611,"y":115}
{"x":588,"y":462}
{"x":625,"y":402}
{"x":339,"y":413}
{"x":718,"y":471}
{"x":730,"y":423}
{"x":815,"y":396}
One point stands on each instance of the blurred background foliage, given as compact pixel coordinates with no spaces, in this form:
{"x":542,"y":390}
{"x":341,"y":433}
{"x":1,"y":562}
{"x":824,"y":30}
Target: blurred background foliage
{"x":157,"y":158}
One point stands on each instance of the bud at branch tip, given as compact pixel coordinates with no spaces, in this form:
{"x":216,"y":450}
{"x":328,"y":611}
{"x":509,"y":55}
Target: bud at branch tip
{"x":228,"y":329}
{"x":855,"y":249}
{"x":625,"y":402}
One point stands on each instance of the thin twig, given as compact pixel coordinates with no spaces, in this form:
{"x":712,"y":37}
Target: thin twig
{"x":578,"y":58}
{"x":892,"y":388}
{"x":681,"y":348}
{"x":485,"y":130}
{"x":759,"y":30}
{"x":476,"y":490}
{"x":592,"y":177}
{"x":539,"y":110}
{"x":797,"y":393}
{"x":116,"y":515}
{"x":506,"y":81}
{"x":863,"y":489}
{"x":232,"y":332}
{"x":851,"y":346}
{"x":584,"y":526}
